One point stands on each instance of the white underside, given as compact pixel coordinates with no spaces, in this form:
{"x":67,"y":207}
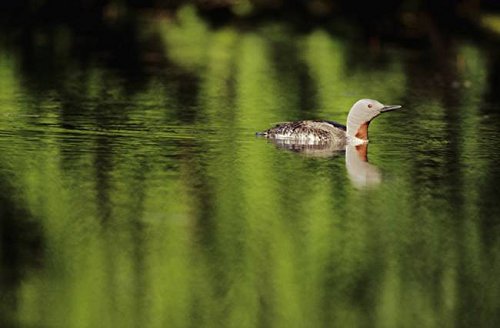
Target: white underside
{"x":305,"y":139}
{"x":311,"y":139}
{"x":356,"y":141}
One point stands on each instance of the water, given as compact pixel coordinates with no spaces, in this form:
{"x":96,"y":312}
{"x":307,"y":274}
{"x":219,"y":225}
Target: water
{"x":135,"y":194}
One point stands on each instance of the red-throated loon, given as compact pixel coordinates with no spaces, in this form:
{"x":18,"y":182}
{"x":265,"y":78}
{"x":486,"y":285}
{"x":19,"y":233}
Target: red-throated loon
{"x":319,"y":132}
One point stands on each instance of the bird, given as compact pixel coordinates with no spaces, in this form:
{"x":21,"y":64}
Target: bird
{"x":313,"y":132}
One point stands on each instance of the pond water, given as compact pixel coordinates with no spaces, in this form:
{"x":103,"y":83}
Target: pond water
{"x":135,"y":193}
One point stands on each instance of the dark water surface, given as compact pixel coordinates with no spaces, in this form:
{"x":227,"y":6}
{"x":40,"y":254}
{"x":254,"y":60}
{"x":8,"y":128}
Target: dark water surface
{"x":135,"y":194}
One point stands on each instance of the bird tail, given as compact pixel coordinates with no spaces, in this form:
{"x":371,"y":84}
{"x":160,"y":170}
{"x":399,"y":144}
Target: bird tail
{"x":261,"y":134}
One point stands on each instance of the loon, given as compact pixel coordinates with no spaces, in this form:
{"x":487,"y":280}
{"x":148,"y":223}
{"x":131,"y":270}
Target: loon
{"x":312,"y":132}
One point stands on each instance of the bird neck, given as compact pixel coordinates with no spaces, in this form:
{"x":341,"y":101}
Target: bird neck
{"x":358,"y":129}
{"x":357,"y":124}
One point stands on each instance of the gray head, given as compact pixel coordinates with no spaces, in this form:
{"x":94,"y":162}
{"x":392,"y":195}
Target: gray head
{"x":361,"y":114}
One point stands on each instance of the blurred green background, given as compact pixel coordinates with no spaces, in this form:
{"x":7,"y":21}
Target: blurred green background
{"x":135,"y":194}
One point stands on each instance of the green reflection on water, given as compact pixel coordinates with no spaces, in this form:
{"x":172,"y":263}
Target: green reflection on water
{"x":154,"y":205}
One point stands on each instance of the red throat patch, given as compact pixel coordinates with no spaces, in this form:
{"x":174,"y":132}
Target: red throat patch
{"x":362,"y":132}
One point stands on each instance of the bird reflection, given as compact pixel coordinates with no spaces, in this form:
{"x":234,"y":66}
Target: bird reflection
{"x":361,"y":173}
{"x":309,"y":149}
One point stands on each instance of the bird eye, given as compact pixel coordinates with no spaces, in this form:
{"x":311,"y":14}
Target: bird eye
{"x":370,"y":105}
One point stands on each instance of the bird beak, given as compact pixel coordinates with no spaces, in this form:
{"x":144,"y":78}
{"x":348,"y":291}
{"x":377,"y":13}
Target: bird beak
{"x":388,"y":108}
